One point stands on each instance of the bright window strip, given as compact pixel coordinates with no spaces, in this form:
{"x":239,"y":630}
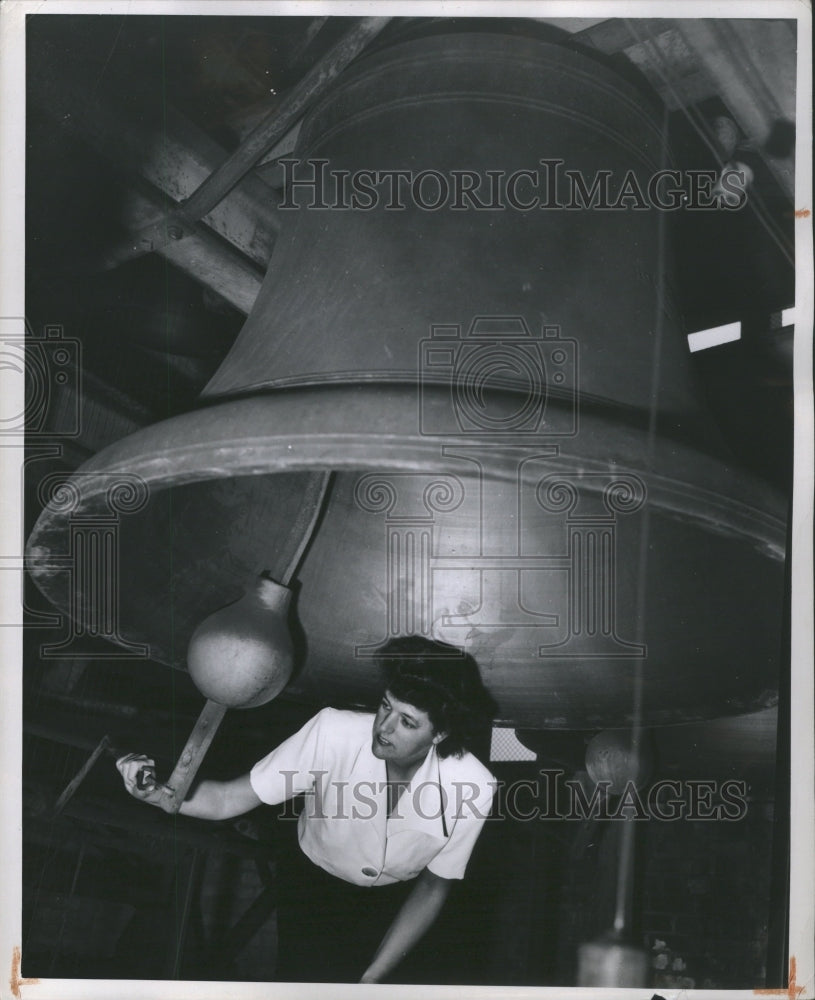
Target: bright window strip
{"x":703,"y":339}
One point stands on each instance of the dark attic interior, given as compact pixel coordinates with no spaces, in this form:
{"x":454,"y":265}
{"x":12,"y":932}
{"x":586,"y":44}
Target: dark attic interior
{"x":444,"y":402}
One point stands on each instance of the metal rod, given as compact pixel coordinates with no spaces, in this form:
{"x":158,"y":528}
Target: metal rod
{"x":626,"y":860}
{"x":77,"y":869}
{"x":176,"y":224}
{"x":80,"y":775}
{"x":777,"y":964}
{"x":310,"y":513}
{"x":181,"y":932}
{"x":625,"y":870}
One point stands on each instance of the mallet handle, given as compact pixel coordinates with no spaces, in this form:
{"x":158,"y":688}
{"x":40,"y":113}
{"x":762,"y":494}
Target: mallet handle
{"x":192,"y":755}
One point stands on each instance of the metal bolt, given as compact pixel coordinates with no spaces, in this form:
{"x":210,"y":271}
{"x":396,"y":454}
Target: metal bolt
{"x":175,"y":232}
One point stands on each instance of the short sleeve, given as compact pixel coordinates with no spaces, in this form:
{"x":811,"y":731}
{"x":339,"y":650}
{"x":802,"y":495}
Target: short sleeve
{"x":289,"y":769}
{"x":451,"y":861}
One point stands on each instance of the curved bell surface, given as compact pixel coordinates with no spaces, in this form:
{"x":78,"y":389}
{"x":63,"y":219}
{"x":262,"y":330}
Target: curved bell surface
{"x":480,"y":381}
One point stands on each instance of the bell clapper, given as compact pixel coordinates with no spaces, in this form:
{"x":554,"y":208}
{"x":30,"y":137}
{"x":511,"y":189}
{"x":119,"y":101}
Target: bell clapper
{"x":253,"y":635}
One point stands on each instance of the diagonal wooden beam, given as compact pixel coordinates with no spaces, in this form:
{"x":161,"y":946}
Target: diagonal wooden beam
{"x":202,"y":255}
{"x":751,"y":64}
{"x":220,"y":182}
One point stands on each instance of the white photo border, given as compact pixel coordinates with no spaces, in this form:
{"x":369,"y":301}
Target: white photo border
{"x":12,"y":201}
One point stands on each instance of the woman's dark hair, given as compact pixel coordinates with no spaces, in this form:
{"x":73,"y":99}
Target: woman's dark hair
{"x":444,"y":682}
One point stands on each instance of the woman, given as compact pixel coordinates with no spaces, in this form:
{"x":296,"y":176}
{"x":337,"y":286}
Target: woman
{"x":394,"y":803}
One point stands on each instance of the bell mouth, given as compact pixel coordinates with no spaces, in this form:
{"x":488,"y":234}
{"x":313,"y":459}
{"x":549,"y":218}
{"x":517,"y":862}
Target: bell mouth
{"x":472,"y":538}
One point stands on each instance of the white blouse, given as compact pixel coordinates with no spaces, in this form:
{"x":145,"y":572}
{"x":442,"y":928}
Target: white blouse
{"x":344,"y":827}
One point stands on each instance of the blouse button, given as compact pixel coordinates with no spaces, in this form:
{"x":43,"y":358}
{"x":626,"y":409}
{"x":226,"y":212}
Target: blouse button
{"x":370,"y":872}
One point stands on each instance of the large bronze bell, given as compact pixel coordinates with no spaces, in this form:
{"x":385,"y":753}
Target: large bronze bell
{"x":522,"y":466}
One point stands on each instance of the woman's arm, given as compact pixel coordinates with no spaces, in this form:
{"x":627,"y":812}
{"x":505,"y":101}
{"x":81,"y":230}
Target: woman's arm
{"x":415,"y":916}
{"x":220,"y":799}
{"x":209,"y":799}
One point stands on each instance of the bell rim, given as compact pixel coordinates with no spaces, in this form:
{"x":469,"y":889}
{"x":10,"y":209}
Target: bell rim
{"x":346,"y":429}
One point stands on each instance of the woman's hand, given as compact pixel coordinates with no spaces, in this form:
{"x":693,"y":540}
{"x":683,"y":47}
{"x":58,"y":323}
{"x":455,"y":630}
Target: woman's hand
{"x":208,"y":800}
{"x":139,"y":775}
{"x":415,"y":916}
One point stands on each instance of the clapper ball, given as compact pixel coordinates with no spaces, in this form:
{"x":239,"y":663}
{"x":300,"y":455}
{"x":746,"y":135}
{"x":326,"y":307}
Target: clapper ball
{"x":241,"y":656}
